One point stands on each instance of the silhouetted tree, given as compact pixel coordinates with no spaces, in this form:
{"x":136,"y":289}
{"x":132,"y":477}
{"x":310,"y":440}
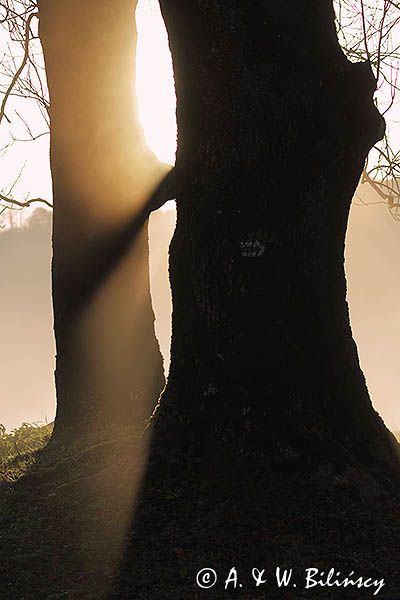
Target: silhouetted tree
{"x":274,"y":127}
{"x":265,"y":399}
{"x":109,"y":367}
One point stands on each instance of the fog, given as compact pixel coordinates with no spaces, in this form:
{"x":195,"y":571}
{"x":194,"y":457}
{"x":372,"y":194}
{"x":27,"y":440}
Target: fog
{"x":26,"y":334}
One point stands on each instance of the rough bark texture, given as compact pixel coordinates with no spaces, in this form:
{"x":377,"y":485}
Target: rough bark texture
{"x":265,"y":440}
{"x":274,"y":128}
{"x":109,"y":367}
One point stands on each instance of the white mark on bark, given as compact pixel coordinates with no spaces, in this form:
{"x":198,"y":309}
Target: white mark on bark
{"x":210,"y":391}
{"x":252,"y":248}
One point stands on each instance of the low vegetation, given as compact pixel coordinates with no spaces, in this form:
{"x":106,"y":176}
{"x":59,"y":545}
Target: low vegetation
{"x":65,"y":514}
{"x":60,"y":507}
{"x":19,"y":449}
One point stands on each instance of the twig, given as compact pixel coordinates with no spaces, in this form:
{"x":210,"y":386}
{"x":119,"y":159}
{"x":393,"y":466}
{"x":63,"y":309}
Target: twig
{"x":25,"y":204}
{"x":21,"y":67}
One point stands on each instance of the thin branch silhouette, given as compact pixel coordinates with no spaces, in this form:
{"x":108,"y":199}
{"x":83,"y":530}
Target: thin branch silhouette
{"x":21,"y":67}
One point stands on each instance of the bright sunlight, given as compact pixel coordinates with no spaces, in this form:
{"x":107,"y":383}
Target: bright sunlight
{"x":154,"y":82}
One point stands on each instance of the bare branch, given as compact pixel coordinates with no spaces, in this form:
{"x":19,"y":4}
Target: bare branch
{"x":21,"y":67}
{"x":24,"y":204}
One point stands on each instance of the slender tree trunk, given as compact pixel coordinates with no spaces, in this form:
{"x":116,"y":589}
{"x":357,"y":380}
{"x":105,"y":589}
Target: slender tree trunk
{"x":274,"y":128}
{"x":109,"y":367}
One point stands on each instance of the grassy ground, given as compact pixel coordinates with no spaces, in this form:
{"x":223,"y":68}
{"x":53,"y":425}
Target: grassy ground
{"x":18,"y":450}
{"x":65,"y":520}
{"x":61,"y":511}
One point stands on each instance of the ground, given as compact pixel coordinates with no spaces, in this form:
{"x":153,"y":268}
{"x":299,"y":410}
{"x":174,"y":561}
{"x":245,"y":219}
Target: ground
{"x":65,"y":515}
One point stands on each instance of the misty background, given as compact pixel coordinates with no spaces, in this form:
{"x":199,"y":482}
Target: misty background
{"x":27,"y":349}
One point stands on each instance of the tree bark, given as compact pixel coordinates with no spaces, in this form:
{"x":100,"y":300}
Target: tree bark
{"x":109,"y":368}
{"x":274,"y":128}
{"x":265,"y":438}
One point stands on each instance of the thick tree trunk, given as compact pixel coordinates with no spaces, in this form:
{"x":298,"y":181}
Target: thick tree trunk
{"x":109,"y":367}
{"x":274,"y":128}
{"x":265,"y":439}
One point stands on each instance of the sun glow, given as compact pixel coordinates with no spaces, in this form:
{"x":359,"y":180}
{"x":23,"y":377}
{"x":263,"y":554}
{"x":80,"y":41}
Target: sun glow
{"x":25,"y":166}
{"x":155,"y":82}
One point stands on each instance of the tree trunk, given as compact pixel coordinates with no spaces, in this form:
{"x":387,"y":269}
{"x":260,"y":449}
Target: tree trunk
{"x":274,"y":128}
{"x":109,"y":368}
{"x":265,"y":441}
